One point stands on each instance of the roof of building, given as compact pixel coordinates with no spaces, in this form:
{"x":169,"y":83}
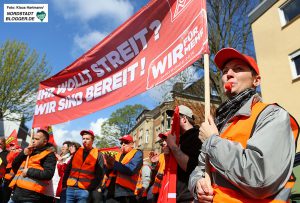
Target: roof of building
{"x":260,"y":10}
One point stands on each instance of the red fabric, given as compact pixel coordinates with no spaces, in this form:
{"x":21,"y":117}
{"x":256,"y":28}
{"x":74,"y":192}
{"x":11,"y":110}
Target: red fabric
{"x":61,"y":167}
{"x":10,"y":157}
{"x":170,"y":175}
{"x":158,"y":42}
{"x":12,"y":139}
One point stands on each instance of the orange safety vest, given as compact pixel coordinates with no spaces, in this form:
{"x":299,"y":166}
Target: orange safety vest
{"x":10,"y":157}
{"x":160,"y":172}
{"x":122,"y":179}
{"x":83,"y":173}
{"x":27,"y":183}
{"x":139,"y":184}
{"x":240,"y":130}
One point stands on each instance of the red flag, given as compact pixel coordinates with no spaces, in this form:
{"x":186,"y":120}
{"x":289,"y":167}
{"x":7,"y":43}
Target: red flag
{"x":12,"y":139}
{"x":167,"y":192}
{"x":158,"y":42}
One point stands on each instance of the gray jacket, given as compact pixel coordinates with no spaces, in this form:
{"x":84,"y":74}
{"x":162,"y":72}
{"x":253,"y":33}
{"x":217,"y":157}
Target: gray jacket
{"x":263,"y":167}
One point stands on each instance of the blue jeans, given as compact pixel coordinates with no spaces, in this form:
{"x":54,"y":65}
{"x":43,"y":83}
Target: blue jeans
{"x":63,"y":197}
{"x":76,"y":195}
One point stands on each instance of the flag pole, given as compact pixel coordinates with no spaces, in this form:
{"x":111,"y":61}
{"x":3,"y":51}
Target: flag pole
{"x":206,"y":87}
{"x":207,"y":109}
{"x":31,"y":136}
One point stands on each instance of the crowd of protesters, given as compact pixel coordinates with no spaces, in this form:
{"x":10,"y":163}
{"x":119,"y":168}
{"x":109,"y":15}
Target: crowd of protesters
{"x":245,"y":154}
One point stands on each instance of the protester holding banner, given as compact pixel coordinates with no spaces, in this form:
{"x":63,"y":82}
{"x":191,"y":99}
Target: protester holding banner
{"x":14,"y":150}
{"x":250,"y":145}
{"x":123,"y":172}
{"x":186,"y":153}
{"x":29,"y":183}
{"x":86,"y":170}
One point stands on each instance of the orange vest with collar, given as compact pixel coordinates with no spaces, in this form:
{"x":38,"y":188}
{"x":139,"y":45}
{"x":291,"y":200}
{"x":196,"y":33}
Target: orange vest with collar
{"x":240,"y":130}
{"x":27,"y":183}
{"x":122,"y":179}
{"x":83,"y":172}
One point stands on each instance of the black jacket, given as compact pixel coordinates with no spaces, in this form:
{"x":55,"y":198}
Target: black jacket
{"x":48,"y":163}
{"x":190,"y":144}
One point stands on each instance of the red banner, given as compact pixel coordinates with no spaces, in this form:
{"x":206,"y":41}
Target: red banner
{"x":159,"y":41}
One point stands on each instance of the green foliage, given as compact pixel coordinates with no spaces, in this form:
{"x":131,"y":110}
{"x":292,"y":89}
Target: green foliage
{"x":21,"y":70}
{"x":125,"y":118}
{"x":110,"y":136}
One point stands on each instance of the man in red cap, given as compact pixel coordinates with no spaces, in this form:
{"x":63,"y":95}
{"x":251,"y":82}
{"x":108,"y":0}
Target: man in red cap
{"x":85,"y":171}
{"x":123,"y":172}
{"x":250,"y":146}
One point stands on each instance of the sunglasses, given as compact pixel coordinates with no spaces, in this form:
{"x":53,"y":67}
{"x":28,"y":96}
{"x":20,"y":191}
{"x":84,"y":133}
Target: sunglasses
{"x":124,"y":142}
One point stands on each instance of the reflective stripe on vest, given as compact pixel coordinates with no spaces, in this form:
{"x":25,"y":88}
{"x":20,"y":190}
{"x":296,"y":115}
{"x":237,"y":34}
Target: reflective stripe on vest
{"x":82,"y":173}
{"x":240,"y":130}
{"x":126,"y":180}
{"x":27,"y":183}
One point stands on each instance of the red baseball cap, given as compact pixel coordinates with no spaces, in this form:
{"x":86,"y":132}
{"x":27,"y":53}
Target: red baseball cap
{"x":164,"y":135}
{"x":127,"y":138}
{"x":227,"y":54}
{"x":87,"y":132}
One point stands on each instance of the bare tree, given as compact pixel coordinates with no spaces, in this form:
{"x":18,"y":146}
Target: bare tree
{"x":228,"y":26}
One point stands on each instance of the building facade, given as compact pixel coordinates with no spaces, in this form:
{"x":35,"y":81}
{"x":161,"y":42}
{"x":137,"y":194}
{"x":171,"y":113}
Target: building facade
{"x":276,"y":29}
{"x":152,"y":122}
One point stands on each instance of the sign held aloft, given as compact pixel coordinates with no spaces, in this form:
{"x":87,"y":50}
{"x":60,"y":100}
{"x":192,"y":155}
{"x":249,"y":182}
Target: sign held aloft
{"x":158,"y":42}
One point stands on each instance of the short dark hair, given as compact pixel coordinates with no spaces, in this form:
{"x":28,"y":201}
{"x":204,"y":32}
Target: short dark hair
{"x":69,"y":143}
{"x":76,"y":145}
{"x":190,"y":120}
{"x":45,"y":133}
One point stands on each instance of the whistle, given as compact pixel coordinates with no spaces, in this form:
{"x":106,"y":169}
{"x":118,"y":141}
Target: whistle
{"x":228,"y":86}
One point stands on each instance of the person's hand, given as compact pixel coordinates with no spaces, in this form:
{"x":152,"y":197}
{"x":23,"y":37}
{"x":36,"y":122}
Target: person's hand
{"x":171,"y":141}
{"x":28,"y":150}
{"x":207,"y":129}
{"x":110,"y":161}
{"x":140,"y":192}
{"x":58,"y":157}
{"x":24,"y":172}
{"x":204,"y":190}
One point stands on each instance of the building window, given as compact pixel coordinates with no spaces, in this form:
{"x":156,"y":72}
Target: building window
{"x":141,"y":134}
{"x":169,"y":122}
{"x":289,"y":11}
{"x":295,"y":64}
{"x":147,"y":136}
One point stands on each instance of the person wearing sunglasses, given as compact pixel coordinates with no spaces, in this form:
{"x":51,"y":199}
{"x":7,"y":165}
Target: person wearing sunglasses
{"x":123,"y":170}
